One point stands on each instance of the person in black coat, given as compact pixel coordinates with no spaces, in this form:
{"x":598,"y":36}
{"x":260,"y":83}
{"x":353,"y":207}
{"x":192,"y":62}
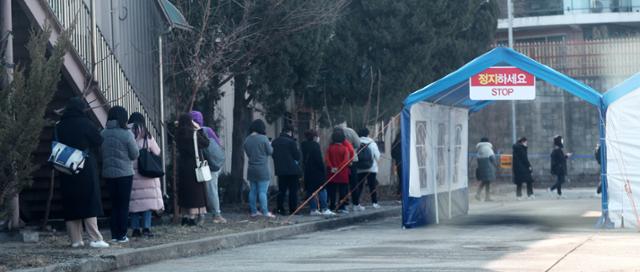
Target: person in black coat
{"x":314,"y":173}
{"x":191,"y":193}
{"x":81,"y":192}
{"x":598,"y":154}
{"x":521,"y":168}
{"x":286,"y":161}
{"x":558,"y":164}
{"x":396,"y":155}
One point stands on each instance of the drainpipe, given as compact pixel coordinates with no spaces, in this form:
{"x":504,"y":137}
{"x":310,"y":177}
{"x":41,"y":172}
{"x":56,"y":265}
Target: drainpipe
{"x":94,"y":40}
{"x":7,"y":33}
{"x":162,"y":129}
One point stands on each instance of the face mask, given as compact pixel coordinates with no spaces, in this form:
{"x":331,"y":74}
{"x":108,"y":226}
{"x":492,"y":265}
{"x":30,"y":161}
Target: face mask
{"x":562,"y":141}
{"x":316,"y":139}
{"x":524,"y":143}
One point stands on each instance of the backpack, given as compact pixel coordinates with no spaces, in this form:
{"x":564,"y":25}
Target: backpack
{"x":365,"y":157}
{"x":214,"y":155}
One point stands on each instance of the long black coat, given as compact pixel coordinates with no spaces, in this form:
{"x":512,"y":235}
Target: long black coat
{"x":521,"y":166}
{"x":314,"y":169}
{"x":286,"y":156}
{"x":80,"y":192}
{"x":191,"y":193}
{"x":558,"y":162}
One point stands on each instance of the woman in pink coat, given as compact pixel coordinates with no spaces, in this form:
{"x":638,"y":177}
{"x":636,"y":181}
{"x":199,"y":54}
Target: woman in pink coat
{"x":146,"y":195}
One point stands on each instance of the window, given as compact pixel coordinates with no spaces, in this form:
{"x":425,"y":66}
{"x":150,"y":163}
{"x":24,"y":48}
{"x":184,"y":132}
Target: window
{"x":421,"y":152}
{"x":442,"y":153}
{"x":457,"y":152}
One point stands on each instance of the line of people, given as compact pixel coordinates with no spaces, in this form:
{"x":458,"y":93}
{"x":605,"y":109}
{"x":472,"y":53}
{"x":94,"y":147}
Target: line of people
{"x":521,"y":167}
{"x":133,"y":195}
{"x":350,"y":160}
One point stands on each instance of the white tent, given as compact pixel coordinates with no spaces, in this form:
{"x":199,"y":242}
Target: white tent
{"x":622,"y":104}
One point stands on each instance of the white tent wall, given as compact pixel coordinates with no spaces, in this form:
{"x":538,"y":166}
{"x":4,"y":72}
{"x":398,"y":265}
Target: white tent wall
{"x":623,"y":158}
{"x":438,"y":156}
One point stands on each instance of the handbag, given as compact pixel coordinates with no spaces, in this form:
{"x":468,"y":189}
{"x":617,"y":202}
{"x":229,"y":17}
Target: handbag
{"x":64,"y":158}
{"x":149,"y":164}
{"x":203,"y":173}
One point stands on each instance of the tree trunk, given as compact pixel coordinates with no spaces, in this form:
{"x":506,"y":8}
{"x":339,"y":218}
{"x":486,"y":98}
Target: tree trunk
{"x":208,"y":106}
{"x":241,"y":120}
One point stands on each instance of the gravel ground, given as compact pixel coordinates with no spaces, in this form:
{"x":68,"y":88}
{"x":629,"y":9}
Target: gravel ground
{"x":53,"y":247}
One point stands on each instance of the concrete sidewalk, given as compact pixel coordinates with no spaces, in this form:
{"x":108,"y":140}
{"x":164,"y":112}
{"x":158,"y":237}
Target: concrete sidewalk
{"x":132,"y":257}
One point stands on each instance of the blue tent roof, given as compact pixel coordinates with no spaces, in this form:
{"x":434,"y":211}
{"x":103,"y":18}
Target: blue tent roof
{"x":453,"y":89}
{"x":629,"y":85}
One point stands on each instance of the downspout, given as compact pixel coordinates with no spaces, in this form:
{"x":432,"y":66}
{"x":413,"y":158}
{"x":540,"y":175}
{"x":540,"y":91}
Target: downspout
{"x":7,"y":62}
{"x":162,"y":128}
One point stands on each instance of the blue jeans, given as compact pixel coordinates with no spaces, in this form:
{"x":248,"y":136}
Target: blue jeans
{"x":322,"y":197}
{"x":146,"y":220}
{"x":259,"y":190}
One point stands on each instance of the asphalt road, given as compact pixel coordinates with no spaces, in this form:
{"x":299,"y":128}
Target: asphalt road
{"x":546,"y":234}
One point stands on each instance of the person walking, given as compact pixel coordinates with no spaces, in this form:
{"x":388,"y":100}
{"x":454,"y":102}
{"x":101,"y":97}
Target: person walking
{"x":337,"y":159}
{"x":314,"y":173}
{"x":119,"y":150}
{"x":214,"y":148}
{"x":521,"y":168}
{"x":367,"y":166}
{"x":81,"y":202}
{"x":486,"y":171}
{"x":558,"y":164}
{"x":146,"y":195}
{"x":286,"y":161}
{"x":192,"y":197}
{"x":258,"y":150}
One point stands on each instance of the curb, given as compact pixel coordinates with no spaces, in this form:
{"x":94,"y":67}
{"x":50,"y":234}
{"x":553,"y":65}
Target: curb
{"x":141,"y":256}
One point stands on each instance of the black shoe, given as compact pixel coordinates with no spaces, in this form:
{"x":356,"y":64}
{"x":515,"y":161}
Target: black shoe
{"x":281,"y":212}
{"x":184,"y":221}
{"x":191,"y":222}
{"x":147,"y":233}
{"x":136,"y":233}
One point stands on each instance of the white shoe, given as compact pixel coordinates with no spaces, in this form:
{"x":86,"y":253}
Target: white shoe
{"x":315,"y":213}
{"x":376,"y":206}
{"x":519,"y":198}
{"x":343,"y":211}
{"x":98,"y":244}
{"x":359,"y":208}
{"x":123,"y":240}
{"x":531,"y":197}
{"x":328,"y":212}
{"x":78,"y":244}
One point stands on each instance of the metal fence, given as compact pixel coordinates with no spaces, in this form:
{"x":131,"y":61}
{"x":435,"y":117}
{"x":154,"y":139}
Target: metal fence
{"x":599,"y":63}
{"x":112,"y":80}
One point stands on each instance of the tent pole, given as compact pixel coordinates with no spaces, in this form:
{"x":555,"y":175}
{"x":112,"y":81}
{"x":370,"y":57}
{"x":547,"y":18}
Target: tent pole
{"x":513,"y":102}
{"x":451,"y":158}
{"x":604,"y":222}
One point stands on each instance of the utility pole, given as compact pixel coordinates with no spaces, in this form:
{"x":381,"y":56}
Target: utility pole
{"x":513,"y":102}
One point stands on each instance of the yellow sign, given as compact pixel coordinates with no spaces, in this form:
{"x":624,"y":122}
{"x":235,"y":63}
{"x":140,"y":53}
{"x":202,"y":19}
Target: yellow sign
{"x":506,"y":161}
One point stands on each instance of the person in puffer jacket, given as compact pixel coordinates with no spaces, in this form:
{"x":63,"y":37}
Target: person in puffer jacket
{"x":119,"y":150}
{"x":486,"y":171}
{"x":146,"y":195}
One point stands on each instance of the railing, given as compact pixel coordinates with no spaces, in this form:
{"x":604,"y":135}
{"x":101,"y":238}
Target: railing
{"x":112,"y":80}
{"x":534,"y":8}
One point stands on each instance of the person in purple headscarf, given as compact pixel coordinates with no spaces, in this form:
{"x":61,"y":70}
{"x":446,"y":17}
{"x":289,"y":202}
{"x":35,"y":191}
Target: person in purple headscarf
{"x":213,"y":200}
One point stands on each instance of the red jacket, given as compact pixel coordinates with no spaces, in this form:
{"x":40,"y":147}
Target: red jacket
{"x":339,"y":156}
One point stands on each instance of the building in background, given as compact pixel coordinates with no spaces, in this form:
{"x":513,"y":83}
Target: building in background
{"x":594,"y":41}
